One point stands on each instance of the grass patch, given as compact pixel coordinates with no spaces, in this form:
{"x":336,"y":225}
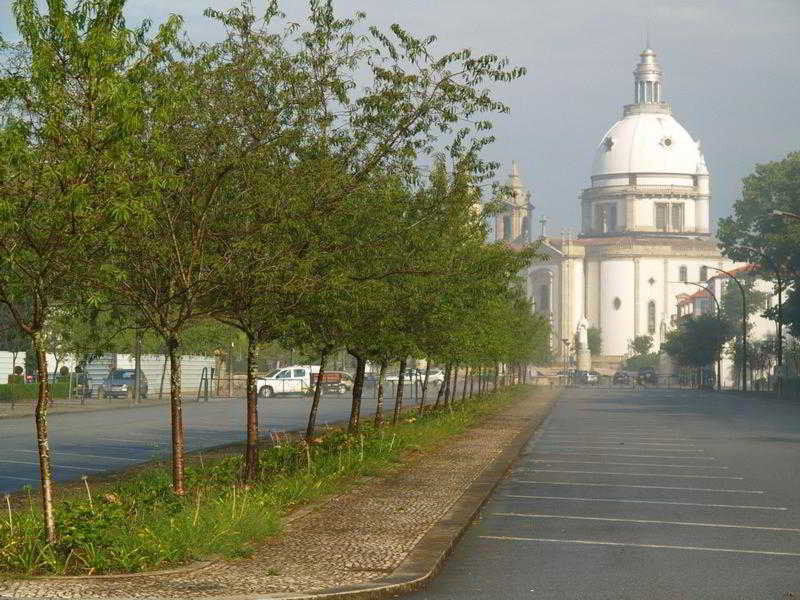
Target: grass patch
{"x":137,"y":524}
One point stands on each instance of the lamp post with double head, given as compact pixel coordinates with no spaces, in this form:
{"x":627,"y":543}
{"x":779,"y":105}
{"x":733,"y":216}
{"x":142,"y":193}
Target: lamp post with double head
{"x":744,"y":324}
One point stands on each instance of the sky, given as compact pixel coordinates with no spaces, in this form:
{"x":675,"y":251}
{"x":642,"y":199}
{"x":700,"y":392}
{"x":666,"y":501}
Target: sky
{"x":730,"y":73}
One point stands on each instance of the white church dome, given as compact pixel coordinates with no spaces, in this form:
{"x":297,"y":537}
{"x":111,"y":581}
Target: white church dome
{"x":647,"y":142}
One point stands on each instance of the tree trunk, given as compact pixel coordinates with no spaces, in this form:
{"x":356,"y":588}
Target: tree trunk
{"x":164,"y":376}
{"x":496,"y":375}
{"x":440,"y":392}
{"x":454,"y":389}
{"x":398,"y":399}
{"x":447,"y":376}
{"x":358,"y":388}
{"x":251,"y":449}
{"x":524,"y":373}
{"x":42,"y":441}
{"x":471,"y":382}
{"x":312,"y":415}
{"x":379,"y":404}
{"x":464,"y":387}
{"x":176,"y":405}
{"x":424,"y":386}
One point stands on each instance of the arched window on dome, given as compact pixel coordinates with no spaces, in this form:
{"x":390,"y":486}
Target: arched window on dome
{"x":658,"y":92}
{"x":612,"y":217}
{"x":508,"y":233}
{"x":651,"y":317}
{"x":649,"y":91}
{"x":683,"y":274}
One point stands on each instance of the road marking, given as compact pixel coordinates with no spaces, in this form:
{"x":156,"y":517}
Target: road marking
{"x":17,"y":478}
{"x":606,"y":462}
{"x":647,"y":521}
{"x":22,"y":462}
{"x":630,"y":545}
{"x":87,"y":455}
{"x":631,"y":455}
{"x":145,"y":442}
{"x":640,"y":474}
{"x":617,"y":445}
{"x":614,"y":443}
{"x":646,"y":487}
{"x":646,"y":502}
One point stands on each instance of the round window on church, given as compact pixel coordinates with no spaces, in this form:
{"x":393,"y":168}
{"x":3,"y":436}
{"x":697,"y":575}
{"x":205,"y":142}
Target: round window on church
{"x":617,"y":303}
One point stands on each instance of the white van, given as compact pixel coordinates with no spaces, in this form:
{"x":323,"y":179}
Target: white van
{"x":287,"y":380}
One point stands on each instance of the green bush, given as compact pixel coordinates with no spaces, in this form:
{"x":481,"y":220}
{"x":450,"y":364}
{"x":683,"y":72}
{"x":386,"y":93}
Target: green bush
{"x":29,"y":391}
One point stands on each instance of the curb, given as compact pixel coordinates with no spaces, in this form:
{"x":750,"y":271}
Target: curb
{"x":425,"y":560}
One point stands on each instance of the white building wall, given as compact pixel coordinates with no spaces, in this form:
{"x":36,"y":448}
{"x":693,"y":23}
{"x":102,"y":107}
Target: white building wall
{"x":578,"y":309}
{"x":592,"y":269}
{"x":7,"y":364}
{"x":616,"y":281}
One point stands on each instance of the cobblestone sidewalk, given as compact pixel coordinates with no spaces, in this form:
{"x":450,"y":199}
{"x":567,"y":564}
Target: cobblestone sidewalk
{"x":355,"y":538}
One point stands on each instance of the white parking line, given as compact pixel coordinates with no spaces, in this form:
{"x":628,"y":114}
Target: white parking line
{"x":619,"y":436}
{"x":647,"y":487}
{"x":606,"y":462}
{"x":18,"y":478}
{"x":618,"y":446}
{"x":645,"y":502}
{"x":536,"y":470}
{"x":631,"y":455}
{"x":86,"y":455}
{"x":630,"y":545}
{"x":22,"y":462}
{"x":647,"y":521}
{"x":616,"y":441}
{"x":148,"y":442}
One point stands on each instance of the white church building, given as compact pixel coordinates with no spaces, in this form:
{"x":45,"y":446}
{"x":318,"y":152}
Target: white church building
{"x":644,"y":240}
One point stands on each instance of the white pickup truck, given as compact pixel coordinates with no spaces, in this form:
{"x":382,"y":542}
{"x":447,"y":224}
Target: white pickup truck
{"x":296,"y":379}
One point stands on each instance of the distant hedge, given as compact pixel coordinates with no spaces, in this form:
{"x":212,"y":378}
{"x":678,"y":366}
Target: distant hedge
{"x":28,"y":391}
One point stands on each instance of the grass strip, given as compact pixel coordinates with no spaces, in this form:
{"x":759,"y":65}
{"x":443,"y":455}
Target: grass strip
{"x":137,"y":524}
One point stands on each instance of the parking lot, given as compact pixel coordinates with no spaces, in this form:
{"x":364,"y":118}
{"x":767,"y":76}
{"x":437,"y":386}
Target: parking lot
{"x":84,"y":443}
{"x":658,"y":494}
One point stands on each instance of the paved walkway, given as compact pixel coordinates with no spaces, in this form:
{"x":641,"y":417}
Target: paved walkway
{"x":358,"y":537}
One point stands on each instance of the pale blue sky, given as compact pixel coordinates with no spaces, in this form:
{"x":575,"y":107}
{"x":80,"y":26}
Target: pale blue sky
{"x":731,"y":74}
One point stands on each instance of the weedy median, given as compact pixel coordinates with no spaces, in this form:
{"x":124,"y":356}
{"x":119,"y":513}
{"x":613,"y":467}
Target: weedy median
{"x":138,"y":524}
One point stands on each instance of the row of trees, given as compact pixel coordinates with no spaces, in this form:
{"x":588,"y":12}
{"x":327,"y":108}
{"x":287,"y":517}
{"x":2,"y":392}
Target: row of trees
{"x":318,"y":186}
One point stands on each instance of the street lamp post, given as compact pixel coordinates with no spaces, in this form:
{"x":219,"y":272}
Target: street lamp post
{"x":719,"y":312}
{"x":744,"y":325}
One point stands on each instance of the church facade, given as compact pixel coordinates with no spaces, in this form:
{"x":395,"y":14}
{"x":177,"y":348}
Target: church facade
{"x":644,"y":241}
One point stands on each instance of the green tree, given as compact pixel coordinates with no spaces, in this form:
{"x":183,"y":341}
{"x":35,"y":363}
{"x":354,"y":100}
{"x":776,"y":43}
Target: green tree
{"x":640,"y":345}
{"x":698,"y":341}
{"x":594,"y":336}
{"x":71,"y":105}
{"x":753,"y":234}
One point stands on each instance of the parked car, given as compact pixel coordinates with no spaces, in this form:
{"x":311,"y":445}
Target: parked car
{"x":409,"y":376}
{"x":647,"y":375}
{"x":622,"y":378}
{"x":587,"y":377}
{"x":334,"y":382}
{"x":119,"y":383}
{"x":287,"y":380}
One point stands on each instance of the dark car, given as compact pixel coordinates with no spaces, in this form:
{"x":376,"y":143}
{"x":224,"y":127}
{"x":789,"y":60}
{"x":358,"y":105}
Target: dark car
{"x":119,"y":383}
{"x":647,"y":375}
{"x":622,"y":378}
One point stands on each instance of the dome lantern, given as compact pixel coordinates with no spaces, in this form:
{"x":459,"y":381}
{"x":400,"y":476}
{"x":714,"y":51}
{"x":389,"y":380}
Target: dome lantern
{"x":648,"y":86}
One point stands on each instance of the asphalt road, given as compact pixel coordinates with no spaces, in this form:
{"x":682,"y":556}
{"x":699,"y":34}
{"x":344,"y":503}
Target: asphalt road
{"x":91,"y":442}
{"x":649,"y":494}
